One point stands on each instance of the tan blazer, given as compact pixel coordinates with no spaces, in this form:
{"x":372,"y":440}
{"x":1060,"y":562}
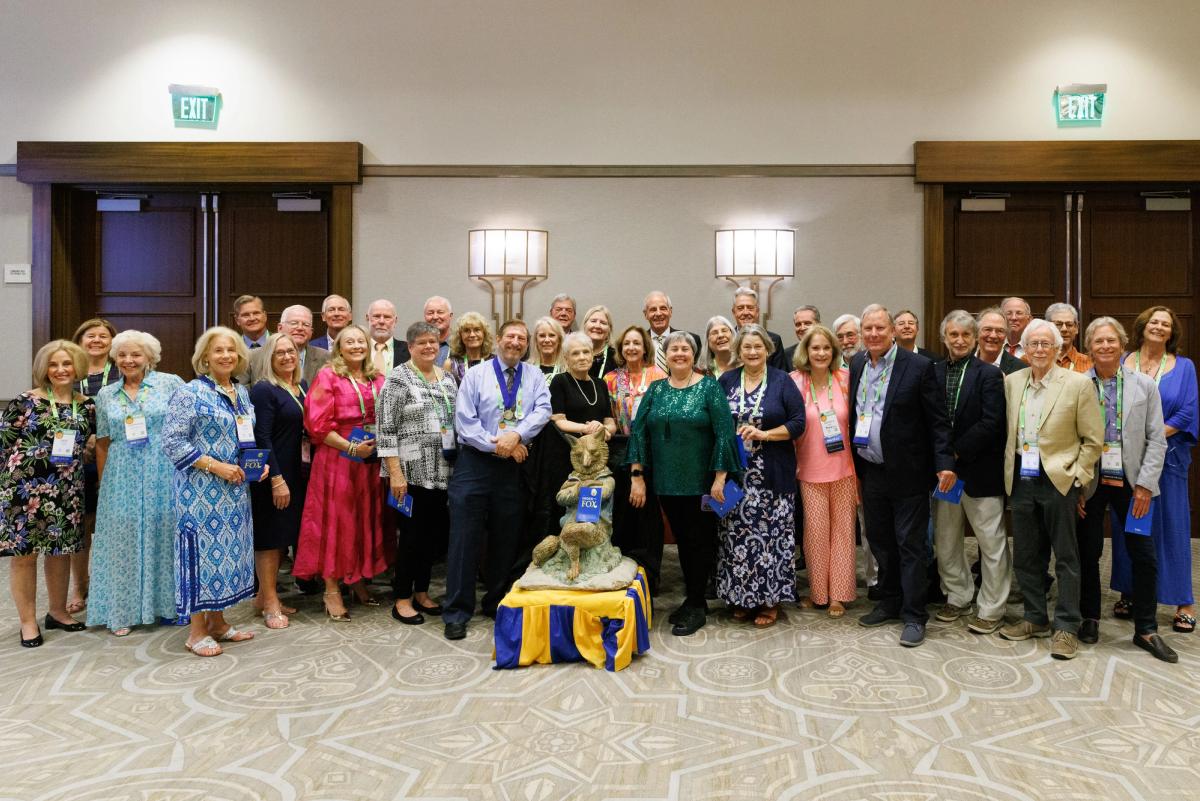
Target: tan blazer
{"x":314,"y":360}
{"x":1070,"y":433}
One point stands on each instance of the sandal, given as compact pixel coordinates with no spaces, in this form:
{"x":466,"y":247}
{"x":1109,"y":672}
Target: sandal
{"x":234,"y":635}
{"x":742,"y":614}
{"x":1184,"y":623}
{"x":124,"y":631}
{"x":806,"y":603}
{"x":1123,"y":610}
{"x":276,"y":620}
{"x":338,"y":617}
{"x":205,"y":647}
{"x":766,"y":617}
{"x":836,"y":609}
{"x":287,"y":610}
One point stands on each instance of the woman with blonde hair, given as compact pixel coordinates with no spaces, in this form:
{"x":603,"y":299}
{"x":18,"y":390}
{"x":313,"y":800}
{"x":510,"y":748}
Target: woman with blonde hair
{"x":279,"y":400}
{"x":42,"y":436}
{"x":471,"y":342}
{"x":341,"y":529}
{"x":598,"y":325}
{"x":133,"y":555}
{"x":546,"y":352}
{"x":210,"y":420}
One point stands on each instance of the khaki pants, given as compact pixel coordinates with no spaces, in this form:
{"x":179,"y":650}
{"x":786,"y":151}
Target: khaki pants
{"x":986,"y":516}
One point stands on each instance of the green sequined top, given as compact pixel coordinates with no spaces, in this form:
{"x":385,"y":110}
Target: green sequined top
{"x":683,"y":435}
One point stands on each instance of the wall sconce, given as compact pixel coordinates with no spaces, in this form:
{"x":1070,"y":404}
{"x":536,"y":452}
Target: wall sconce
{"x":507,"y":257}
{"x":746,"y":255}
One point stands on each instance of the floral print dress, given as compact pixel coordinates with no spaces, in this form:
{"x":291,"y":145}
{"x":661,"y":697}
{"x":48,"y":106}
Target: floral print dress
{"x":41,"y":503}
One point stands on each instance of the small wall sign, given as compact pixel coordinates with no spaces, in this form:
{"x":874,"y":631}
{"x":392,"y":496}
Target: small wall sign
{"x":195,"y":106}
{"x":1080,"y":104}
{"x":17,"y":274}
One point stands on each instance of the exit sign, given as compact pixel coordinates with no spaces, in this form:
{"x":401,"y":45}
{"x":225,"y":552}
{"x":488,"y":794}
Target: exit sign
{"x":1079,"y":104}
{"x":195,"y":106}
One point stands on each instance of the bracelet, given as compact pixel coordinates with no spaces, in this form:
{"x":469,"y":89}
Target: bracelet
{"x":277,"y":481}
{"x":207,"y":464}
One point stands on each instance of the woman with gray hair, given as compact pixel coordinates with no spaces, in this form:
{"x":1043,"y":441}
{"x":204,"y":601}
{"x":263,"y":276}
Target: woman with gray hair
{"x":417,"y":444}
{"x":133,"y":552}
{"x":716,"y":354}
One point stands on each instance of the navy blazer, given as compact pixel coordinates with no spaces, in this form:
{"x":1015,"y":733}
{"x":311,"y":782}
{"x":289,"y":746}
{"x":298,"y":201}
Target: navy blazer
{"x":915,"y":430}
{"x":978,"y":429}
{"x":781,"y":406}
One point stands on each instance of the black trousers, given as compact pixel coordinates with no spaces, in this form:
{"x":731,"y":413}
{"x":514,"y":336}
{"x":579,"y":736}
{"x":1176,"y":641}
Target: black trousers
{"x":695,"y":532}
{"x":485,"y":507}
{"x":1044,"y":522}
{"x":1144,"y":561}
{"x":638,"y":532}
{"x":420,"y":539}
{"x":897,"y":532}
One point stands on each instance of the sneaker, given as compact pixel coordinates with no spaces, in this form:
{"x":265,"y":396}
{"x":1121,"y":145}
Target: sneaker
{"x":949,"y":613}
{"x":1023,"y":630}
{"x":982,"y":625}
{"x":877,"y":617}
{"x":913,"y":635}
{"x":1064,"y":645}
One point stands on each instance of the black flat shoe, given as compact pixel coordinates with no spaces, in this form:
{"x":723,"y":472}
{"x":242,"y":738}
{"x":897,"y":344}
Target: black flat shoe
{"x":51,"y":623}
{"x":455,"y":631}
{"x":32,"y":642}
{"x":410,"y":620}
{"x":436,"y":609}
{"x":1157,"y":647}
{"x":691,"y":620}
{"x":1089,"y":631}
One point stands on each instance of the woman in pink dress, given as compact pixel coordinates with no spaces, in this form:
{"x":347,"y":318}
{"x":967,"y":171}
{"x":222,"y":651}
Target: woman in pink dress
{"x":341,"y":531}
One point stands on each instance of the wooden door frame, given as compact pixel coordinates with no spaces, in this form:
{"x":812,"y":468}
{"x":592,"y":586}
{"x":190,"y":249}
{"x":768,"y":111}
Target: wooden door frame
{"x":1032,"y":163}
{"x":54,"y":168}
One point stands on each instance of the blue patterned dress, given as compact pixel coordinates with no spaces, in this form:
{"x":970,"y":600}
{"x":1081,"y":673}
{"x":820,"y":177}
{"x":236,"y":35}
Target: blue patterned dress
{"x":133,"y":551}
{"x":214,"y":548}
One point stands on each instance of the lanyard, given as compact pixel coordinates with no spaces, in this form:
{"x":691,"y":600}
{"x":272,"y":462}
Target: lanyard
{"x":508,"y":399}
{"x":235,"y":405}
{"x":961,"y":377}
{"x":603,"y":362}
{"x":555,"y":370}
{"x":54,"y":407}
{"x":103,"y":381}
{"x":888,"y":360}
{"x":362,"y":406}
{"x":300,"y":400}
{"x":1021,"y":412}
{"x":435,"y":383}
{"x":1120,"y":399}
{"x":1158,"y":374}
{"x":762,"y":390}
{"x":812,"y":396}
{"x":138,"y":399}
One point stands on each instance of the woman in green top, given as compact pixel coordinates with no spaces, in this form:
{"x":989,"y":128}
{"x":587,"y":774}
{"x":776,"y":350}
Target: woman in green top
{"x":678,"y":422}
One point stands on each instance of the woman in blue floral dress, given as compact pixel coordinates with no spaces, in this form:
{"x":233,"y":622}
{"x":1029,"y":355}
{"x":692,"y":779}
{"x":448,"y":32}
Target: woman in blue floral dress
{"x":209,"y":421}
{"x":133,"y":550}
{"x":755,"y":562}
{"x":42,"y":438}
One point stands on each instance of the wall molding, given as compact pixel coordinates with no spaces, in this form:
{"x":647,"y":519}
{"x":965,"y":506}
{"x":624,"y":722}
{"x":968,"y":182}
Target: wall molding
{"x":638,"y":170}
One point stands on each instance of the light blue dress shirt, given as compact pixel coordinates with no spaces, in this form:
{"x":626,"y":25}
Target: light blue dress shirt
{"x":874,"y":381}
{"x":478,"y":406}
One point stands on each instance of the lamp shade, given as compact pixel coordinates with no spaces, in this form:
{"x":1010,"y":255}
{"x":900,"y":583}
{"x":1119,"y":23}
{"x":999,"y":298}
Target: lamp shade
{"x":753,"y":252}
{"x":502,"y":252}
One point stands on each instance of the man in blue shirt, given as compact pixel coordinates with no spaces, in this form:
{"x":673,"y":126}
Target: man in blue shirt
{"x":501,"y":406}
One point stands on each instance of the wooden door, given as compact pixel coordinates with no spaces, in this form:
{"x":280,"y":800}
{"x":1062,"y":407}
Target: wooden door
{"x":281,"y":256}
{"x":149,"y":273}
{"x":1000,"y":243}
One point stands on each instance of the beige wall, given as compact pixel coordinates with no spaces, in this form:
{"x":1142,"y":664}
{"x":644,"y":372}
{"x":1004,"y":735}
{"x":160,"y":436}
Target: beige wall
{"x":612,"y":240}
{"x":16,"y":312}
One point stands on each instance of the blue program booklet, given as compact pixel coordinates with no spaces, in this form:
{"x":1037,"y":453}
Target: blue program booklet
{"x":952,"y":495}
{"x":359,"y":434}
{"x":404,"y":508}
{"x":743,"y":457}
{"x":253,"y":461}
{"x":733,"y":495}
{"x":588,"y":509}
{"x":1139,"y":525}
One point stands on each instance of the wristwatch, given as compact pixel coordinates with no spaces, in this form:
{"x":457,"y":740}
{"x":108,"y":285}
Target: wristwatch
{"x":635,"y":473}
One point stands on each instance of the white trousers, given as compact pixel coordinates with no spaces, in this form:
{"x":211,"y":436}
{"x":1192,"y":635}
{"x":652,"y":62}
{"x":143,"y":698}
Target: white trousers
{"x":986,"y":516}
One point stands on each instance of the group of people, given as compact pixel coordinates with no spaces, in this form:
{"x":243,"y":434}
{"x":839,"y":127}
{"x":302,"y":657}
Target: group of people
{"x":385,"y":453}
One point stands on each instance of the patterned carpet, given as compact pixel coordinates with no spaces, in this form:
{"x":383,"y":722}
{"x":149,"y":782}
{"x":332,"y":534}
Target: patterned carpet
{"x":814,"y":708}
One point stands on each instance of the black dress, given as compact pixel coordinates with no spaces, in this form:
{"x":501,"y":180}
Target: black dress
{"x":90,"y":387}
{"x":581,"y":402}
{"x":279,"y":427}
{"x":603,"y":364}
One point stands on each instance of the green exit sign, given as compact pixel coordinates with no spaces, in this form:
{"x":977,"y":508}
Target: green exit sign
{"x":195,"y":106}
{"x":1080,"y":104}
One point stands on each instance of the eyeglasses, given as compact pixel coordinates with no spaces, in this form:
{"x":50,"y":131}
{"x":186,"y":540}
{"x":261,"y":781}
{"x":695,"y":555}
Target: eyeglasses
{"x":297,"y":324}
{"x":1039,"y":344}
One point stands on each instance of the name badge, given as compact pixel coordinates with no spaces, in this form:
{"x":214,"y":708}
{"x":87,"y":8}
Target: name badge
{"x":62,"y":451}
{"x":305,"y":450}
{"x":135,"y":429}
{"x":1031,"y":460}
{"x":449,"y":444}
{"x":862,"y":430}
{"x":1112,"y":471}
{"x":832,"y":432}
{"x":245,"y":431}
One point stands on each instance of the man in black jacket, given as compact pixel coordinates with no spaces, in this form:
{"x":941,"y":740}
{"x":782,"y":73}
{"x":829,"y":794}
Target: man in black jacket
{"x":974,"y":396}
{"x":901,"y":451}
{"x":745,"y":311}
{"x":993,"y":336}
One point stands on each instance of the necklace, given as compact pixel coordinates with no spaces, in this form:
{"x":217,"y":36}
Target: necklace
{"x":595,"y":391}
{"x":687,"y":382}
